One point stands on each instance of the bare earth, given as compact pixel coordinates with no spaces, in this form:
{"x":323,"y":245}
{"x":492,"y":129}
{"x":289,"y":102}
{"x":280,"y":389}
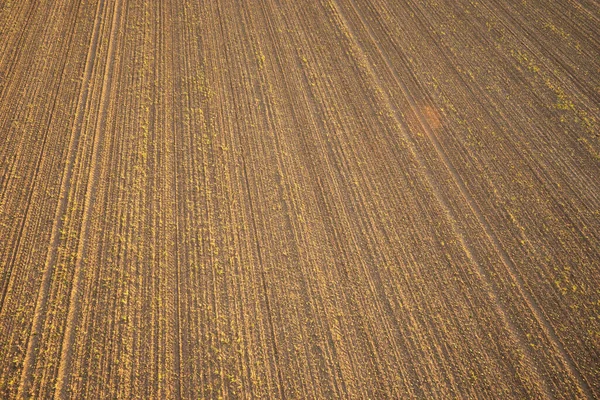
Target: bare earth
{"x":276,"y":199}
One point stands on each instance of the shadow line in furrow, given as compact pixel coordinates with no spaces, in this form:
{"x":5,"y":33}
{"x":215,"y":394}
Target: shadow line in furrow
{"x":468,"y":248}
{"x":62,"y":382}
{"x":42,"y":298}
{"x":16,"y":248}
{"x":511,"y":268}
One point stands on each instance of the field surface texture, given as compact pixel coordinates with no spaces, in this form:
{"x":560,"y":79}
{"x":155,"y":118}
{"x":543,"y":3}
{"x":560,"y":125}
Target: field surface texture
{"x":272,"y":199}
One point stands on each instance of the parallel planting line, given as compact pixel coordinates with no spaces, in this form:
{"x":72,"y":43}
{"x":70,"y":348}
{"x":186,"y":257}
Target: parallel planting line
{"x":511,"y":268}
{"x":427,"y":174}
{"x":38,"y":164}
{"x":42,"y":298}
{"x":19,"y":47}
{"x":537,"y":311}
{"x":280,"y":386}
{"x":174,"y":133}
{"x":97,"y":149}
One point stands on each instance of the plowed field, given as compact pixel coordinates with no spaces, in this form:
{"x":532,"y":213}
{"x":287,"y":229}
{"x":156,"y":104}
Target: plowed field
{"x":275,"y":199}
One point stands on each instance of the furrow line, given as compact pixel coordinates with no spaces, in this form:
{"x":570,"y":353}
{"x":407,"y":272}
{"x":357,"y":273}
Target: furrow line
{"x":532,"y":302}
{"x":517,"y":127}
{"x":272,"y":121}
{"x":17,"y":246}
{"x":42,"y":297}
{"x":536,"y":46}
{"x":444,"y":203}
{"x":593,"y":14}
{"x":312,"y":115}
{"x":23,"y":115}
{"x":174,"y":133}
{"x":340,"y":156}
{"x":277,"y":367}
{"x":73,"y":313}
{"x":19,"y":47}
{"x":337,"y":163}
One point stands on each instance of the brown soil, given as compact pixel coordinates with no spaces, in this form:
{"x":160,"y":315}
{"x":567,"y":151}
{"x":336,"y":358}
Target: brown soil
{"x":299,"y":199}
